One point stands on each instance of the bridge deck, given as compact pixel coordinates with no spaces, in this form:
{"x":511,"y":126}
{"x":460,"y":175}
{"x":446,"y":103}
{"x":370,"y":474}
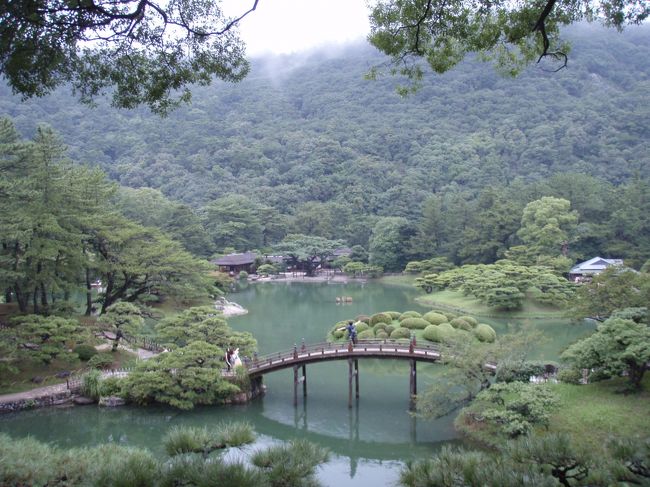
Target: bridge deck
{"x":341,"y":351}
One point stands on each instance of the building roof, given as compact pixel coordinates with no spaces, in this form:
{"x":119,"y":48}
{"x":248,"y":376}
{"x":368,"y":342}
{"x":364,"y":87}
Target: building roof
{"x":595,"y":265}
{"x":343,"y":251}
{"x":236,"y":259}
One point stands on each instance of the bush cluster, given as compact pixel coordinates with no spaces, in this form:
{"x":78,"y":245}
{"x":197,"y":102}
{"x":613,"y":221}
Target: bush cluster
{"x":85,"y":352}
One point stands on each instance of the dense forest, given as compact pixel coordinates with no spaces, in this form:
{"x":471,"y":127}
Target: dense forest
{"x":306,"y":145}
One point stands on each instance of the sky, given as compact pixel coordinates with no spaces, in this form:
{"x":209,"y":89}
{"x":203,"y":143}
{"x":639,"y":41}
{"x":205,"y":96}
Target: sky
{"x":286,"y":26}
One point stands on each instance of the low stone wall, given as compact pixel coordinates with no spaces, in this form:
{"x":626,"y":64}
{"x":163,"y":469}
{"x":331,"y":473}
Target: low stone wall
{"x":37,"y":402}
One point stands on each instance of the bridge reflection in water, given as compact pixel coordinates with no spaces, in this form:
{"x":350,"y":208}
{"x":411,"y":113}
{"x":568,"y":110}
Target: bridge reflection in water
{"x":298,"y":358}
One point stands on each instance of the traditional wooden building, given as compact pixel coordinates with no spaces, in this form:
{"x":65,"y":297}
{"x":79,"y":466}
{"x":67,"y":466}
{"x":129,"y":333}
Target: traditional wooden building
{"x":236,"y":263}
{"x":592,"y":267}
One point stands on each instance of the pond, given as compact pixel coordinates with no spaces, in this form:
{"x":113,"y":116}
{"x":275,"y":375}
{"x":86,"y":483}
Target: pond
{"x":369,"y":442}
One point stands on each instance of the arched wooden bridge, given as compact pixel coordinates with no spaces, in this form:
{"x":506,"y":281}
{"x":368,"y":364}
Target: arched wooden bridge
{"x":299,"y":356}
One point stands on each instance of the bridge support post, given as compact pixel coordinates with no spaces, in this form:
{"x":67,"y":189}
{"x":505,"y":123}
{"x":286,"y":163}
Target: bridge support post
{"x":353,"y":367}
{"x":413,"y":386}
{"x":297,"y":380}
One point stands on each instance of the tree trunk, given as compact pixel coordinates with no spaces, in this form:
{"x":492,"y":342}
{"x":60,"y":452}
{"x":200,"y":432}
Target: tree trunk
{"x":21,"y":297}
{"x":8,"y":296}
{"x":89,"y":294}
{"x":35,"y":301}
{"x":44,"y":302}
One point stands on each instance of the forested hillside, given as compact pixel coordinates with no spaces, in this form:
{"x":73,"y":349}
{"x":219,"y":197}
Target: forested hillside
{"x":315,"y":148}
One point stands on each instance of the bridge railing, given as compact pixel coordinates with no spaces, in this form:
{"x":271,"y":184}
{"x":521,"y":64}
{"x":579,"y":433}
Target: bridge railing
{"x":300,"y":351}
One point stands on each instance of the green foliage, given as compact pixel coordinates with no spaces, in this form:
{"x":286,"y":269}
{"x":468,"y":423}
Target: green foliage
{"x":43,"y":339}
{"x":442,"y":35}
{"x":469,"y":319}
{"x":430,"y":266}
{"x":203,"y":324}
{"x":435,"y":318}
{"x":91,"y":384}
{"x":409,"y":314}
{"x":243,"y":275}
{"x":382,"y":335}
{"x":389,"y":329}
{"x":306,"y":250}
{"x":381,"y":318}
{"x":505,"y":298}
{"x":514,"y":408}
{"x":399,"y":333}
{"x":433,"y":333}
{"x":461,"y":324}
{"x":522,"y":371}
{"x":182,"y":378}
{"x":546,"y":224}
{"x":100,"y":361}
{"x":614,"y":289}
{"x":111,"y":386}
{"x":617,"y":346}
{"x":84,"y":352}
{"x":570,"y":376}
{"x":366,"y":334}
{"x":266,"y":269}
{"x":485,"y":333}
{"x":361,"y":327}
{"x":291,"y":464}
{"x":187,"y":439}
{"x":386,"y":249}
{"x":139,"y":65}
{"x":393,"y":314}
{"x":414,"y":323}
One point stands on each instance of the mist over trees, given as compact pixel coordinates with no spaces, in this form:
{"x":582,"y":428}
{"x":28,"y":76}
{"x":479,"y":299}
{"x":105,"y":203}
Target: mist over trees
{"x":305,"y":145}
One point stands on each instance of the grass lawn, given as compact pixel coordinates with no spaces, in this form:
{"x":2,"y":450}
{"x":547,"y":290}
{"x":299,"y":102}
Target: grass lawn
{"x":594,"y":412}
{"x":456,"y":301}
{"x":589,"y":414}
{"x":405,"y":280}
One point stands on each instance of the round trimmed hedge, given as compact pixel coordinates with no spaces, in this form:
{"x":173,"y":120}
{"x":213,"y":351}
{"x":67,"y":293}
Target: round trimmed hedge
{"x":432,"y":333}
{"x":414,"y":323}
{"x":389,"y":329}
{"x":435,"y":318}
{"x":363,"y":318}
{"x":382,"y":335}
{"x":485,"y":333}
{"x":461,"y":324}
{"x":394,"y":315}
{"x":366,"y":334}
{"x":400,"y":333}
{"x":470,"y":319}
{"x":380,"y":326}
{"x":409,"y":314}
{"x":380,"y":318}
{"x":360,"y":327}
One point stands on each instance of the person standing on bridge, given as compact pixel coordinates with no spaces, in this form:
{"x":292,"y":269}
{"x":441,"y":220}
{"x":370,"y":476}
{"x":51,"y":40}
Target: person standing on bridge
{"x":352,"y":332}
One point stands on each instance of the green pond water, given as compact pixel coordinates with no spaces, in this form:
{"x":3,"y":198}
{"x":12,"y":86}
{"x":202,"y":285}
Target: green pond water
{"x":368,"y":443}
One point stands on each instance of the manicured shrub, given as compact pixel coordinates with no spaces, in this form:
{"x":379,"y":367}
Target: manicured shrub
{"x":380,"y":318}
{"x":389,"y":329}
{"x":570,"y":376}
{"x":101,"y":361}
{"x":338,"y":334}
{"x":414,"y":323}
{"x":409,"y":314}
{"x":382,"y":335}
{"x":461,"y":324}
{"x":361,"y":327}
{"x":379,"y":327}
{"x":433,"y":333}
{"x":400,"y":333}
{"x":85,"y":352}
{"x":243,"y":275}
{"x":393,"y":314}
{"x":470,"y":319}
{"x":435,"y":318}
{"x":485,"y":333}
{"x":111,"y":386}
{"x":450,"y":315}
{"x":366,"y":334}
{"x":363,"y":319}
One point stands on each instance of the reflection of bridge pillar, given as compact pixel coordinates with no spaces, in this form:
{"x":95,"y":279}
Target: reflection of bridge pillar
{"x":297,"y":380}
{"x":413,"y":386}
{"x":353,"y":366}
